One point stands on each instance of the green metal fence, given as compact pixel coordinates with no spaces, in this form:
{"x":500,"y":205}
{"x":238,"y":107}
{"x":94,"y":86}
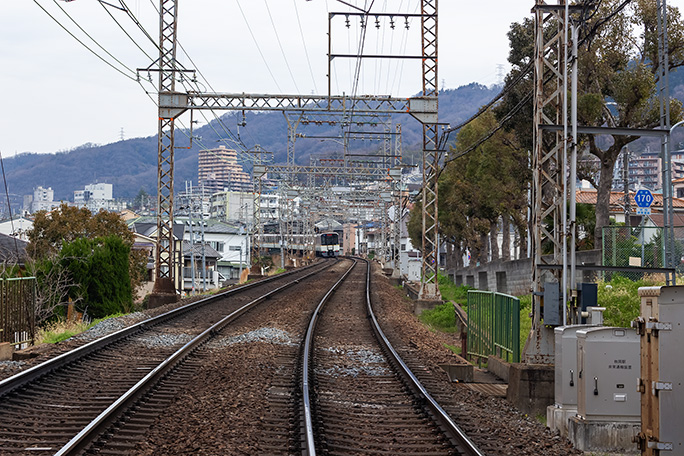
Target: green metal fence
{"x":17,"y":310}
{"x":493,"y":325}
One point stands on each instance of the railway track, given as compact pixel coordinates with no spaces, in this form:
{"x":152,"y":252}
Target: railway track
{"x":358,"y":395}
{"x":123,"y":400}
{"x":61,"y":406}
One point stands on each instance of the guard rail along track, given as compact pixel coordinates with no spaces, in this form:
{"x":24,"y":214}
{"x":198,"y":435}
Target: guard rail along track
{"x":382,"y":410}
{"x":61,"y":406}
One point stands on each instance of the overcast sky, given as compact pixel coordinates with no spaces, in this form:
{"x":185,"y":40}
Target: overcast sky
{"x":58,"y":95}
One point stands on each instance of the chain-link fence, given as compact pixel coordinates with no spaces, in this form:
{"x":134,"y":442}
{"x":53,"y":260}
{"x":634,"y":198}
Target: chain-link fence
{"x":638,"y":247}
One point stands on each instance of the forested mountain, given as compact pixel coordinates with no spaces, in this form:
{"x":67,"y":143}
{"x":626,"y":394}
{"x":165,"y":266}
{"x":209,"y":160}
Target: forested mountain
{"x":132,"y":164}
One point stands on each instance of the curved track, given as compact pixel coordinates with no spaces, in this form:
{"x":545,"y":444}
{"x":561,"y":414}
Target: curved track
{"x":358,"y":395}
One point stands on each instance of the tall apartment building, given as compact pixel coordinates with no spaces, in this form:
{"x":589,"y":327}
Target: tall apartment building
{"x":219,"y":170}
{"x":43,"y":199}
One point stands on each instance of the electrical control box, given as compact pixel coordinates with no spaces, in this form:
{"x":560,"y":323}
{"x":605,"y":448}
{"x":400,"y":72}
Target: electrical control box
{"x":661,"y":328}
{"x":565,"y":374}
{"x":608,"y":362}
{"x":552,"y":298}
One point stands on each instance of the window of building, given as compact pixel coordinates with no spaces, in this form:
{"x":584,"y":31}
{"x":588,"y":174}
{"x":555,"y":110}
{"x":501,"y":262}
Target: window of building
{"x":234,"y":248}
{"x":217,"y":245}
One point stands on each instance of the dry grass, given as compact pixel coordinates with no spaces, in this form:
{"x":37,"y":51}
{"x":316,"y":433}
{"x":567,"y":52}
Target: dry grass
{"x":59,"y":330}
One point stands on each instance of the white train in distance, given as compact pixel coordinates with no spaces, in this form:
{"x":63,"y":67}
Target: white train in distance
{"x":327,"y":245}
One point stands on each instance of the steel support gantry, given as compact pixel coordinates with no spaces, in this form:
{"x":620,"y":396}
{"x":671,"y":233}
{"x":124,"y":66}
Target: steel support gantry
{"x":429,"y":290}
{"x":165,"y":258}
{"x":554,"y":166}
{"x":173,"y":103}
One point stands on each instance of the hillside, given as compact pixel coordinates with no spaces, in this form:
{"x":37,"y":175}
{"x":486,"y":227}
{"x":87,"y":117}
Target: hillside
{"x":132,"y":164}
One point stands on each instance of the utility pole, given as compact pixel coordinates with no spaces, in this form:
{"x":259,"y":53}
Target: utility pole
{"x":625,"y":181}
{"x":188,"y":192}
{"x":665,"y":153}
{"x":204,"y":257}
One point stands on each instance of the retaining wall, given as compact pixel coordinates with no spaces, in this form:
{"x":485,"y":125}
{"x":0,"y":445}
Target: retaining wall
{"x":515,"y":277}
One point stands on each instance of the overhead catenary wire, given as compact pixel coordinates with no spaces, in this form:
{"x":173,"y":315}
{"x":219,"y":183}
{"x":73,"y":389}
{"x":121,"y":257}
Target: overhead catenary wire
{"x":91,"y":38}
{"x":139,"y":24}
{"x":404,"y":45}
{"x":525,"y":99}
{"x":524,"y":72}
{"x":280,"y":44}
{"x":85,"y":45}
{"x":256,"y":43}
{"x":357,"y":71}
{"x":104,"y":5}
{"x":233,"y":138}
{"x":306,"y":51}
{"x":184,"y":129}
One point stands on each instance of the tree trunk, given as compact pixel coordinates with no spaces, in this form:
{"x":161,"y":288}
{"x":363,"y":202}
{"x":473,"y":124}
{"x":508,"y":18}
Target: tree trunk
{"x":603,"y":199}
{"x":493,"y":240}
{"x":449,"y":255}
{"x":483,"y":257}
{"x":506,"y":244}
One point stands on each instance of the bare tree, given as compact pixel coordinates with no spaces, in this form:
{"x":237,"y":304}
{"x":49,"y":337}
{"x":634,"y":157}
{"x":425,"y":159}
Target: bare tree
{"x":53,"y":286}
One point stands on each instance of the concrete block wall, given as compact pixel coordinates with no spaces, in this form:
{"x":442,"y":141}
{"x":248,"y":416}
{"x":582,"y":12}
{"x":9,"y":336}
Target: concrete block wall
{"x":514,"y":277}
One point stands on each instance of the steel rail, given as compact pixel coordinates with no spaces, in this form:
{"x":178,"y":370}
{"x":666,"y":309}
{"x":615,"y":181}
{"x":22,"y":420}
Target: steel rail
{"x":309,"y":445}
{"x":106,"y":418}
{"x":453,"y":431}
{"x":22,"y":378}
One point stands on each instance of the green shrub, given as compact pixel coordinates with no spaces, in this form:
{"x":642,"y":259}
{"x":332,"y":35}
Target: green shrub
{"x":525,"y":320}
{"x":99,"y":269}
{"x":621,"y":299}
{"x":441,"y":318}
{"x":452,"y":292}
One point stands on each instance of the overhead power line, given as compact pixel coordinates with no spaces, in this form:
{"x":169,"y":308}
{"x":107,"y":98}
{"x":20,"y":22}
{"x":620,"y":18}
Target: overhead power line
{"x":86,"y":46}
{"x":256,"y":43}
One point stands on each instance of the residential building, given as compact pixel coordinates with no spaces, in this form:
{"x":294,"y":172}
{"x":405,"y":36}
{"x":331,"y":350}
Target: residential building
{"x":17,"y":227}
{"x":232,"y":206}
{"x":43,"y":199}
{"x":678,"y":187}
{"x":12,"y":251}
{"x":147,"y":227}
{"x":238,"y":207}
{"x":96,"y":197}
{"x":205,"y":259}
{"x":149,"y":246}
{"x":617,"y":205}
{"x":646,"y":171}
{"x":219,"y":170}
{"x":230,"y":242}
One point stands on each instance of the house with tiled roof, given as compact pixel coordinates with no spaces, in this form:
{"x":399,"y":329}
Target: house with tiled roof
{"x":12,"y":250}
{"x":231,"y":242}
{"x":617,"y":206}
{"x":651,"y":223}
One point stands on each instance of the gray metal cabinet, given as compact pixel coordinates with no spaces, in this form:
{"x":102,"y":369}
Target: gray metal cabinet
{"x":608,"y":363}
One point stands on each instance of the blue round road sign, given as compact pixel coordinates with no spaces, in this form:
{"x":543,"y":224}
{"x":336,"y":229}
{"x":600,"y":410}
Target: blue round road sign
{"x":643,"y":198}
